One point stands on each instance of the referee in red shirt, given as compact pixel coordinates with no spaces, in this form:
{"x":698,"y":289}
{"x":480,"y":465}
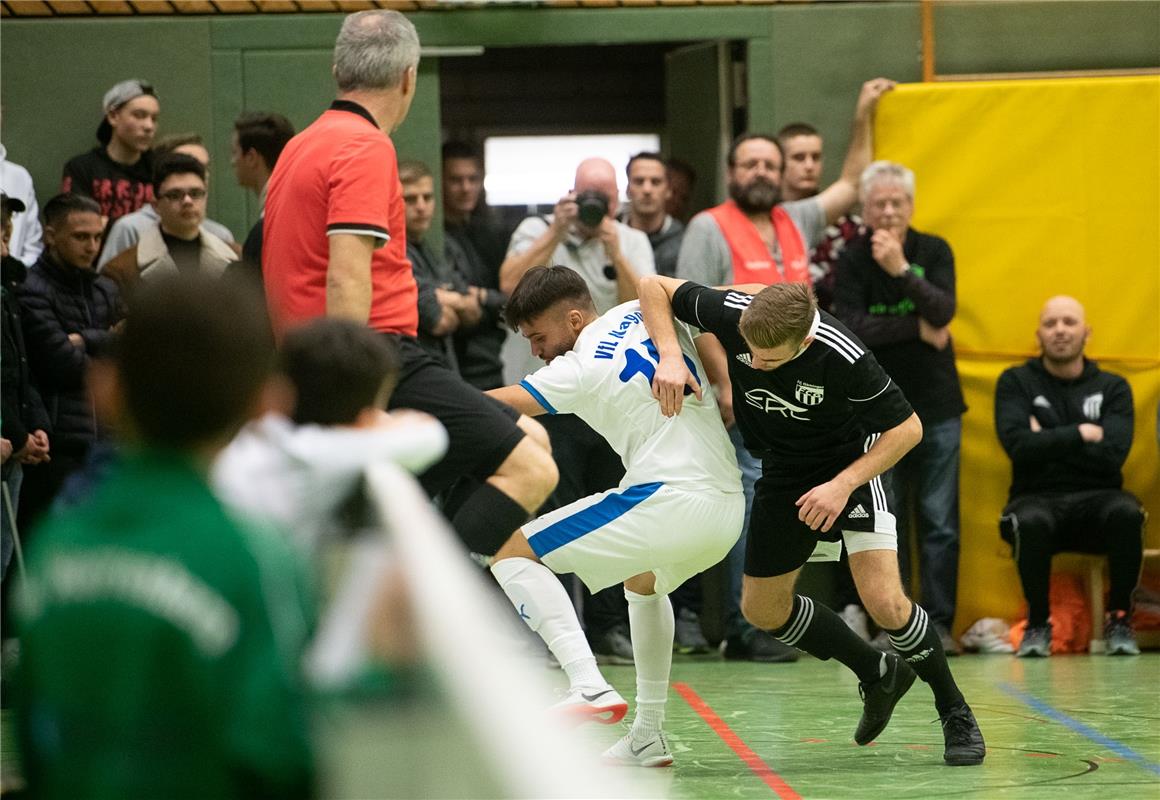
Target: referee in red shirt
{"x":334,"y":244}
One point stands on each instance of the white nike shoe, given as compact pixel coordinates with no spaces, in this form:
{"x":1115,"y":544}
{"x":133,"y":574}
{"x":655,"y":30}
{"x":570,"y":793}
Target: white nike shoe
{"x":629,"y":753}
{"x":586,"y":704}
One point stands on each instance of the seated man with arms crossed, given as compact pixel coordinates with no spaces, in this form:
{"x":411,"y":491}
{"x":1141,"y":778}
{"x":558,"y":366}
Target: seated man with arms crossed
{"x":677,"y":511}
{"x":1067,"y":425}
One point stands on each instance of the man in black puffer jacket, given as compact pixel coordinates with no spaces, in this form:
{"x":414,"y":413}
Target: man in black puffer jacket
{"x":23,"y":438}
{"x":68,"y":315}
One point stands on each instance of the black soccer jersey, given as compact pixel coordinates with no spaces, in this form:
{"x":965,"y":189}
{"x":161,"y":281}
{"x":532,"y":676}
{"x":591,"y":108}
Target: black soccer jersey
{"x":811,"y":417}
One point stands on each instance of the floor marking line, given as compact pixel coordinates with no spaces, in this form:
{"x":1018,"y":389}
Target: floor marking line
{"x":743,"y":751}
{"x":1117,"y":747}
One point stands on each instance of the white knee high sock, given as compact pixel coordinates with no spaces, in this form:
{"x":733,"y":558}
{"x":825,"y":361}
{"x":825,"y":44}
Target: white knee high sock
{"x":544,"y":605}
{"x":650,"y":619}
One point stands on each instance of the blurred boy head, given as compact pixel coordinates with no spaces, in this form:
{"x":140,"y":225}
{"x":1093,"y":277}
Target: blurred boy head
{"x":195,"y":397}
{"x":342,"y":372}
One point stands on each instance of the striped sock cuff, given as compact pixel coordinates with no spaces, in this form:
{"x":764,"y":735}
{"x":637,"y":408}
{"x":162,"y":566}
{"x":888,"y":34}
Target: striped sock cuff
{"x":911,"y":634}
{"x":799,"y":621}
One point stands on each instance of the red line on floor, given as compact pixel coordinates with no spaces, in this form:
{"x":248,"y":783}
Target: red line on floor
{"x":722,"y":729}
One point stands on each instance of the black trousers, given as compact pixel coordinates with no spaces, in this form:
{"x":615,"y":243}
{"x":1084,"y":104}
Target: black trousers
{"x":1109,"y":521}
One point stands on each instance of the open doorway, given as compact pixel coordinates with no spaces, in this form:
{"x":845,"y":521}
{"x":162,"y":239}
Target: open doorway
{"x":679,"y":96}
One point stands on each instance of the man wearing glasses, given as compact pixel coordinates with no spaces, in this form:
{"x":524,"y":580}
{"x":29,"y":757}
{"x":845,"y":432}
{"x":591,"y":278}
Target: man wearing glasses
{"x":177,"y":242}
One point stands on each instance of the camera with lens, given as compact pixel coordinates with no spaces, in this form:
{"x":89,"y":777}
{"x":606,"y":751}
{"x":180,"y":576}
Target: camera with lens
{"x":592,"y":207}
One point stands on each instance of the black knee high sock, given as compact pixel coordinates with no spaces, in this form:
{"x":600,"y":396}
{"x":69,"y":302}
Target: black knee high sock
{"x":918,"y":642}
{"x":487,"y":519}
{"x":821,"y":633}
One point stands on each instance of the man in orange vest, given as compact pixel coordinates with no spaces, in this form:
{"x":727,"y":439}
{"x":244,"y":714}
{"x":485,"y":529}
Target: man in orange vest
{"x":754,"y":238}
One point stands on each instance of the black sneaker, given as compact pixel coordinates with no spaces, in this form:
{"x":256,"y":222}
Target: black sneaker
{"x":1036,"y":642}
{"x":1119,"y":638}
{"x":963,"y":739}
{"x":950,"y":647}
{"x":758,"y":645}
{"x":880,"y":697}
{"x":768,"y":650}
{"x":613,"y":647}
{"x":688,"y":638}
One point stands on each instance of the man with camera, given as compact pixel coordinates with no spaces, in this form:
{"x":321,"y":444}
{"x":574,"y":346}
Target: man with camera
{"x":582,"y":234}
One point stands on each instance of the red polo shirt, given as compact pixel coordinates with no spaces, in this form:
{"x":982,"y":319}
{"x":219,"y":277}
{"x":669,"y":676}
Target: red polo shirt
{"x":340,"y":175}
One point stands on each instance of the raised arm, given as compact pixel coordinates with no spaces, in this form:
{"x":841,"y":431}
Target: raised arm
{"x":716,"y":363}
{"x":672,"y":375}
{"x":539,"y":252}
{"x":839,"y":197}
{"x":821,"y":506}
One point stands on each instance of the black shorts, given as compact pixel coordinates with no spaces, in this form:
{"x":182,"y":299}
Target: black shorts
{"x":482,"y":431}
{"x":778,"y":542}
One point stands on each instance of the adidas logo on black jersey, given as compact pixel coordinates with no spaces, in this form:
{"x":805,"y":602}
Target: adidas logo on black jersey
{"x":858,"y":513}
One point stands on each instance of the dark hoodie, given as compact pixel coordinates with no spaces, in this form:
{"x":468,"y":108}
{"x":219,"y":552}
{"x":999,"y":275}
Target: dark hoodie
{"x":1057,"y":459}
{"x":23,"y":411}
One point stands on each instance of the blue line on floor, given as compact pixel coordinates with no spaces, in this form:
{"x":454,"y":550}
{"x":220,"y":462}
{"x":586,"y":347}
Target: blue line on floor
{"x":1077,"y":726}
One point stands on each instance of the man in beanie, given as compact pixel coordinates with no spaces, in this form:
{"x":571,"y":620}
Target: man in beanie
{"x":118,"y":173}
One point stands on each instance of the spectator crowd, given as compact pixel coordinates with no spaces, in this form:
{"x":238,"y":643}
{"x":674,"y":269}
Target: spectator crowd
{"x":113,"y":385}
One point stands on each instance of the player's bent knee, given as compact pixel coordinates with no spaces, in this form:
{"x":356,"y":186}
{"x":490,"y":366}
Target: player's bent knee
{"x":643,"y":584}
{"x":528,"y":474}
{"x":535,"y":431}
{"x":515,"y":547}
{"x":765,"y":613}
{"x":889,"y":608}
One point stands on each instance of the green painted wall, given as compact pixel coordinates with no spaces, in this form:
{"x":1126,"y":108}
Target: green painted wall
{"x":54,"y":73}
{"x":804,"y":62}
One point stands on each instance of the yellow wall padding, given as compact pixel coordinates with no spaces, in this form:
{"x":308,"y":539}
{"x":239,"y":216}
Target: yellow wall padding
{"x":1042,"y":187}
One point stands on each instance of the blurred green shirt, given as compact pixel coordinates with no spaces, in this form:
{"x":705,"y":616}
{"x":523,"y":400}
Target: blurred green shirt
{"x":161,"y":646}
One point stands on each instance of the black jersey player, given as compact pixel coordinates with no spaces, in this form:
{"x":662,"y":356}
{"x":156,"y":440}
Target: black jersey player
{"x":826,"y":421}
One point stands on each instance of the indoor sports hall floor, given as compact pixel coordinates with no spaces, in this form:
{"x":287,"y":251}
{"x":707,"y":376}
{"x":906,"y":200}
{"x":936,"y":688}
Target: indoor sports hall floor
{"x":1073,"y":727}
{"x":1069,"y":726}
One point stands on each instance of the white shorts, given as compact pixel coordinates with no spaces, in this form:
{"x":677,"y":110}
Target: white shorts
{"x":883,"y":537}
{"x":609,"y":537}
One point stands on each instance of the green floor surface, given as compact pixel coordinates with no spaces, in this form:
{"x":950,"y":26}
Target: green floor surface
{"x":1069,"y":726}
{"x":1072,"y":727}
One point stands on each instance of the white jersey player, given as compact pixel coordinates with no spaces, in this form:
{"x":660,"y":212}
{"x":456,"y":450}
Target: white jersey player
{"x":678,"y":510}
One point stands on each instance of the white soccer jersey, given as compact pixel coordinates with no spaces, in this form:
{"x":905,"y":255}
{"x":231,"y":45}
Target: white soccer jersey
{"x":606,"y":380}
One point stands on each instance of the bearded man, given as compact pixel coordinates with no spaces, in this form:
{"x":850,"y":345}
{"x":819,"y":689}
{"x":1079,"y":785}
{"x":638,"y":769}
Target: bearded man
{"x":753,"y":237}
